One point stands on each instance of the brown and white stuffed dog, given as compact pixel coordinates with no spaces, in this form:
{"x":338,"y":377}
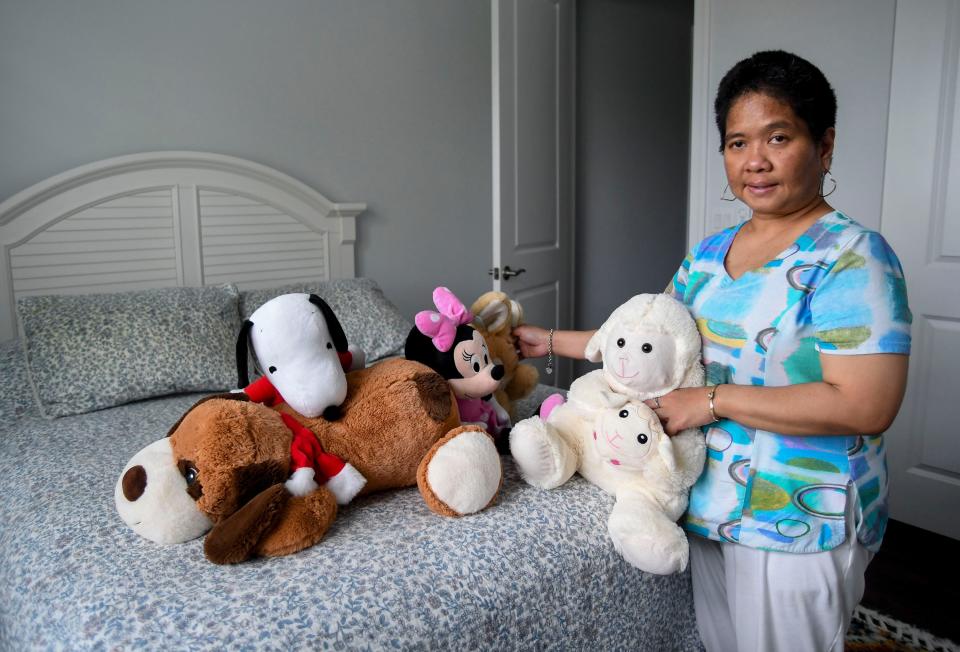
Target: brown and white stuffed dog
{"x":224,"y":466}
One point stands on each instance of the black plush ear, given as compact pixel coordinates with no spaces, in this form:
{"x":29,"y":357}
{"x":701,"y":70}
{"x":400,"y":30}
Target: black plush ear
{"x":419,"y":348}
{"x":243,"y":339}
{"x":333,"y":324}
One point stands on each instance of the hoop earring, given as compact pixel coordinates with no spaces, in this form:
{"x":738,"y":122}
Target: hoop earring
{"x":723,"y":194}
{"x":832,"y":189}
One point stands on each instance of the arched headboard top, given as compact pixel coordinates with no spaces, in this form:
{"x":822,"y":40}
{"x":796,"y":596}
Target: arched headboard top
{"x":162,"y":219}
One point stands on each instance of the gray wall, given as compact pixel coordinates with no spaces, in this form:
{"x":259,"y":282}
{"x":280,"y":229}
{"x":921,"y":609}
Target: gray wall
{"x":375,"y":100}
{"x":633,"y":98}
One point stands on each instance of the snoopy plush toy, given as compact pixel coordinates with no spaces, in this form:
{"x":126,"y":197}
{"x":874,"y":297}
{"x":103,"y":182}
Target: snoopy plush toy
{"x":303,"y":352}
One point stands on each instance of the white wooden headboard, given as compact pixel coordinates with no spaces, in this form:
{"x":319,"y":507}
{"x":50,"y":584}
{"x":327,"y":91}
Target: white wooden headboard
{"x":162,"y":219}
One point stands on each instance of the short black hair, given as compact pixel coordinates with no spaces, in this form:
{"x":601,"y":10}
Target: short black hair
{"x":786,"y":77}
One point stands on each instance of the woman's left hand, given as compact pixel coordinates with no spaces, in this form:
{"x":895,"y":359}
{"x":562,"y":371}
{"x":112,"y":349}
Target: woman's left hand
{"x":682,"y":408}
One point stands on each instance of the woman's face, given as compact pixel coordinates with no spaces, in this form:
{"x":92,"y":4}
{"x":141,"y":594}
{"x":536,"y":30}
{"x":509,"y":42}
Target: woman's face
{"x":772,"y":163}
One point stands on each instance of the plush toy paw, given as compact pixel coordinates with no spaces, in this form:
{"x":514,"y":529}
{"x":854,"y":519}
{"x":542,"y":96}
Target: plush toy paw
{"x":304,"y":522}
{"x":461,"y":474}
{"x":645,"y":537}
{"x":663,"y":554}
{"x":544,"y":460}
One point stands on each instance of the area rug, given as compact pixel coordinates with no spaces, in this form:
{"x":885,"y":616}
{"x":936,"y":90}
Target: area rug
{"x":871,"y":631}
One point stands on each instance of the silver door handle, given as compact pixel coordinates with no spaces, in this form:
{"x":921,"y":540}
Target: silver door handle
{"x":510,"y":273}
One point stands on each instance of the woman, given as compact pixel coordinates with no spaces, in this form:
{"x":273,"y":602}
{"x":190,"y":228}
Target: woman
{"x":806,"y":333}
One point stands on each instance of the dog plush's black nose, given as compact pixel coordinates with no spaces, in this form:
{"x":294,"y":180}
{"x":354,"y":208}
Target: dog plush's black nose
{"x":134,"y":482}
{"x":497,"y":371}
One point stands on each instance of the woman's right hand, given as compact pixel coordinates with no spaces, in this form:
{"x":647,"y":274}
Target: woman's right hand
{"x":531,"y":341}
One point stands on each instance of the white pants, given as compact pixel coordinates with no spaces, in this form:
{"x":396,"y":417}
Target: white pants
{"x":750,"y":600}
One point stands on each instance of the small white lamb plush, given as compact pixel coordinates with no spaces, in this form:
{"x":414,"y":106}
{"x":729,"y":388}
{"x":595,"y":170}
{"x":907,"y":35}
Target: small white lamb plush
{"x":649,"y":346}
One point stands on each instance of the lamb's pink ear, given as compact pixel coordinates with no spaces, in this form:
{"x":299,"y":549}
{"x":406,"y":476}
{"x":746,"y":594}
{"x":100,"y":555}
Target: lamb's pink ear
{"x":594,"y":350}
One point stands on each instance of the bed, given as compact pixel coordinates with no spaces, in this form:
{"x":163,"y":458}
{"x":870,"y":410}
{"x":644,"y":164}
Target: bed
{"x":535,"y":571}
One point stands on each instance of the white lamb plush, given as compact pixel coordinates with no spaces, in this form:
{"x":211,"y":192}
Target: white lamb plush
{"x":649,"y":346}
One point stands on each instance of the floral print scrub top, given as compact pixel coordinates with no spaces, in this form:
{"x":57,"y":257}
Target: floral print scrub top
{"x":839,"y":289}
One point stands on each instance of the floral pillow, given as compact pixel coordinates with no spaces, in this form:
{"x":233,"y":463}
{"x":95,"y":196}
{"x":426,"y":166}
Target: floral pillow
{"x":93,"y":351}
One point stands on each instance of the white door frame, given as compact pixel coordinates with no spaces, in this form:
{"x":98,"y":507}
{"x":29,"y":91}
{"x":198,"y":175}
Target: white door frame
{"x":701,"y":124}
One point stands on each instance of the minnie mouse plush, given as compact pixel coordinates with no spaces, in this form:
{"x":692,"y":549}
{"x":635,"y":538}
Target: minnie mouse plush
{"x":446,"y":342}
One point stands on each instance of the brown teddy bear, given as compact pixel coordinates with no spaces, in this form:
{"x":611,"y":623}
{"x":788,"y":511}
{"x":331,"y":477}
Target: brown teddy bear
{"x":225,"y":465}
{"x":495,"y":316}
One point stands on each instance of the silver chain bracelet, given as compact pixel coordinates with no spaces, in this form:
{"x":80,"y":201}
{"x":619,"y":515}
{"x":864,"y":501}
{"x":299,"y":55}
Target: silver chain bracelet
{"x":549,"y":368}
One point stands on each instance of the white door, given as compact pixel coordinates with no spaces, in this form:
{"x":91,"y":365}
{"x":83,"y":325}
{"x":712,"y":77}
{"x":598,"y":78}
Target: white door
{"x":921,"y":219}
{"x":533,"y":100}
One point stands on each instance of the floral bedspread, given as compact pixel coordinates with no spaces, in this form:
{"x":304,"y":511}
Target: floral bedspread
{"x":536,"y":571}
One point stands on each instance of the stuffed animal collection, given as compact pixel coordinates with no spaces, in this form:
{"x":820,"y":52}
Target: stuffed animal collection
{"x":649,"y":346}
{"x":263,"y":469}
{"x":229,"y":465}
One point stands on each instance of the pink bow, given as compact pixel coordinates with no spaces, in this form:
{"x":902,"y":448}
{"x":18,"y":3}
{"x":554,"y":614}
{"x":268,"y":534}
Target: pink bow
{"x":441,"y":326}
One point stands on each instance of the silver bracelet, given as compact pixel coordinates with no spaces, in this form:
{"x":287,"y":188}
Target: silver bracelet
{"x":549,"y":368}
